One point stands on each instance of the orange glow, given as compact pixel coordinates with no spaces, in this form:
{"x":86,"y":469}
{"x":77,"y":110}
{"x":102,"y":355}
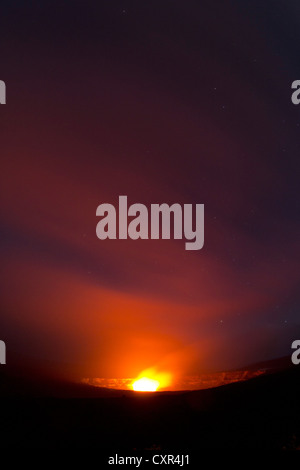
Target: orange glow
{"x":150,"y":381}
{"x":145,"y":385}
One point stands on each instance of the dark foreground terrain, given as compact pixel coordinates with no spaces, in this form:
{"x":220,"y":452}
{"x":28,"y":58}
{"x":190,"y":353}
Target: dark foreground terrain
{"x":262,"y":413}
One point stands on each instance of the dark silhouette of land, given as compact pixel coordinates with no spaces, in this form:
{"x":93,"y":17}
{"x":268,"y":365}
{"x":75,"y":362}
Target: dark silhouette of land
{"x":260,"y":413}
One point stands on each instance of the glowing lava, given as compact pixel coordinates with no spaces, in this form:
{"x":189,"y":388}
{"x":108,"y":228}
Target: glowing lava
{"x":144,"y":384}
{"x":150,"y":380}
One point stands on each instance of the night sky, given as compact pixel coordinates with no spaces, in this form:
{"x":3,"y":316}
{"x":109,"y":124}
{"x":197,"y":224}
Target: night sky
{"x":162,"y":101}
